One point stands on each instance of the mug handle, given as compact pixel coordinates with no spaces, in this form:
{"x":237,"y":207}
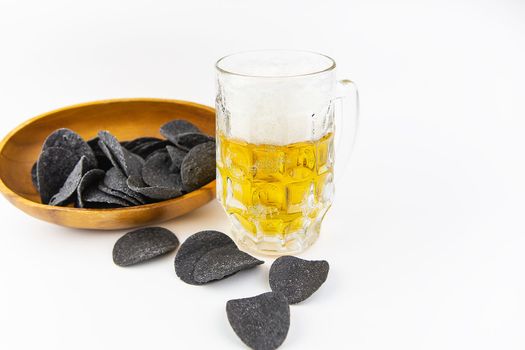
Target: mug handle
{"x":345,"y":141}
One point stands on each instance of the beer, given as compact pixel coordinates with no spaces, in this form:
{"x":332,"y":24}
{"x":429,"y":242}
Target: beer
{"x":275,"y":192}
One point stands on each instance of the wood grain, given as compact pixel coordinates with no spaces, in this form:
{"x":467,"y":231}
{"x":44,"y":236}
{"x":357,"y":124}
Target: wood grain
{"x":124,"y":118}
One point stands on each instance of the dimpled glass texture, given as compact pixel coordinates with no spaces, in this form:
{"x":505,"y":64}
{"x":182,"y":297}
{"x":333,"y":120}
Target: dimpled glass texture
{"x":275,"y":147}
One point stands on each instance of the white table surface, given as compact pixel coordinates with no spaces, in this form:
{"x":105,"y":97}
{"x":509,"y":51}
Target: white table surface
{"x":426,"y":238}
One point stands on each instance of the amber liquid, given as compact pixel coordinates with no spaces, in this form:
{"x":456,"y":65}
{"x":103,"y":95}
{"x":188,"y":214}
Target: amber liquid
{"x":275,"y":191}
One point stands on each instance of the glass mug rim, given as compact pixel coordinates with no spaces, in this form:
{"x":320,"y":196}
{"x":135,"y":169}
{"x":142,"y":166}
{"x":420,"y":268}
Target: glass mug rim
{"x":330,"y":66}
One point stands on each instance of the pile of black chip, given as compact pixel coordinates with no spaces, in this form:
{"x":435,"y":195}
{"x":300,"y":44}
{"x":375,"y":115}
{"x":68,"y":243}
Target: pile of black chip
{"x":106,"y":173}
{"x":262,"y":321}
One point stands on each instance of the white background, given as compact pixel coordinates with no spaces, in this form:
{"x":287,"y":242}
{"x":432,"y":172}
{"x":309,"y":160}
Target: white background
{"x":426,"y":239}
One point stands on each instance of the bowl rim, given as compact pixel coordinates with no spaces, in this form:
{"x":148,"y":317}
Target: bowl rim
{"x":9,"y":192}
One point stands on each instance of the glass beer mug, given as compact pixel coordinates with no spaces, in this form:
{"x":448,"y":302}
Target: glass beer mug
{"x":275,"y":145}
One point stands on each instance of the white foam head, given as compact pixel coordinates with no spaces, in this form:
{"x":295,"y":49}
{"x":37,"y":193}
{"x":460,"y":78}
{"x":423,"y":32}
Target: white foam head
{"x":277,"y":99}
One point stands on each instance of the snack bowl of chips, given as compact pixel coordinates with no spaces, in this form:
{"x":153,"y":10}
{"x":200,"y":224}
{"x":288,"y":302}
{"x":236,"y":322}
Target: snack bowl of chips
{"x":111,"y":164}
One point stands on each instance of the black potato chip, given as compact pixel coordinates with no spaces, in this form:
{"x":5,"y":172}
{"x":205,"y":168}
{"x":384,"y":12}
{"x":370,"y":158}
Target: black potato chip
{"x":136,"y":184}
{"x":70,"y":140}
{"x":129,"y":163}
{"x":67,"y":192}
{"x":139,"y":141}
{"x":143,"y":244}
{"x":187,"y":141}
{"x":112,"y":159}
{"x":134,"y":163}
{"x":132,"y":201}
{"x":116,"y":180}
{"x":194,"y":248}
{"x":103,"y":161}
{"x":175,"y":127}
{"x":92,"y":197}
{"x":222,"y":262}
{"x":296,"y":278}
{"x":90,"y":179}
{"x":262,"y":322}
{"x":53,"y":167}
{"x":198,"y":166}
{"x":156,"y":172}
{"x":177,"y":156}
{"x":148,"y":148}
{"x":162,"y":150}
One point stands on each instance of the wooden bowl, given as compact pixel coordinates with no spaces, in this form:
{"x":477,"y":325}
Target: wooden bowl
{"x":124,"y":118}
